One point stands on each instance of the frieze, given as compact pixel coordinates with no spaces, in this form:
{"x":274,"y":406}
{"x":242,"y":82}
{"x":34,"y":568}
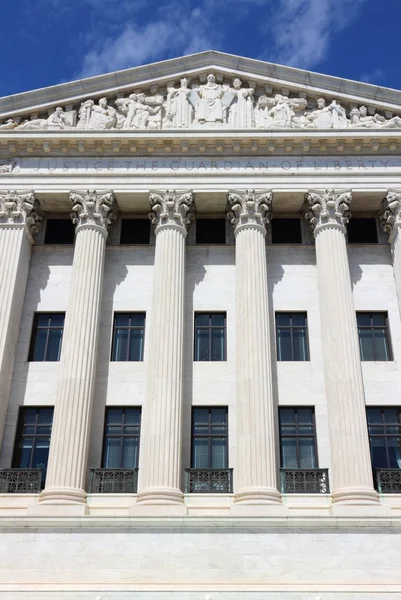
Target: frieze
{"x":196,"y":105}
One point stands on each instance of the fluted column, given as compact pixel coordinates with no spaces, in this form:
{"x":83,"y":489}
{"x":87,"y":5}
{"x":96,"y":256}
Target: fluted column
{"x":161,"y":440}
{"x":256,"y":465}
{"x":93,"y":214}
{"x":352,"y":480}
{"x":391,"y":223}
{"x":20,"y":220}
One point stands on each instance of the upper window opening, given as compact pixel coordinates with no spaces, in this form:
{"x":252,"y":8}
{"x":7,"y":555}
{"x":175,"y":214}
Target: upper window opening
{"x":135,"y":231}
{"x":59,"y":231}
{"x":286,"y":231}
{"x":210,"y":231}
{"x":362,"y":231}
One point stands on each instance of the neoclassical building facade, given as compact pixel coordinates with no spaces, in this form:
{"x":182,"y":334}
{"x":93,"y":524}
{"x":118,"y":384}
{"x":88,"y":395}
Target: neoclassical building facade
{"x":200,"y":336}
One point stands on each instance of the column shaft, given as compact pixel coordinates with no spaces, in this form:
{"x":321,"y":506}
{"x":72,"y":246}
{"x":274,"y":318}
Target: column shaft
{"x":391,"y":223}
{"x":351,"y":466}
{"x":161,"y":439}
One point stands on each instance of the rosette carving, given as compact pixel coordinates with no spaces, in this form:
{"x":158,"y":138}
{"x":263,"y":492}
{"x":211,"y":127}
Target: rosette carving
{"x":171,"y":208}
{"x":21,"y":208}
{"x":328,"y":208}
{"x":93,"y":208}
{"x":248,"y":207}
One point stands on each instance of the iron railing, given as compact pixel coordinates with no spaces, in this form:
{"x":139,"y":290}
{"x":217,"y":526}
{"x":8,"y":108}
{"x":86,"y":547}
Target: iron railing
{"x":388,"y":481}
{"x":20,"y":481}
{"x":113,"y":481}
{"x":305,"y":481}
{"x":208,"y":481}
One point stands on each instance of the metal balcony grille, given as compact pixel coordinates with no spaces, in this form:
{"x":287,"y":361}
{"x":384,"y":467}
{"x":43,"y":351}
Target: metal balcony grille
{"x":305,"y":481}
{"x":388,"y":481}
{"x":208,"y":481}
{"x":20,"y":481}
{"x":113,"y":481}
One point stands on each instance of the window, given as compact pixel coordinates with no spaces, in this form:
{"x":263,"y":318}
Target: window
{"x":210,"y":336}
{"x":209,"y":438}
{"x":121,"y":438}
{"x":46,"y":338}
{"x":297,"y":438}
{"x":373,"y":333}
{"x":135,"y":231}
{"x":32,"y":442}
{"x":210,"y":231}
{"x":292,"y":336}
{"x":362,"y":231}
{"x":128,"y":337}
{"x":384,"y":426}
{"x":59,"y":231}
{"x":286,"y":231}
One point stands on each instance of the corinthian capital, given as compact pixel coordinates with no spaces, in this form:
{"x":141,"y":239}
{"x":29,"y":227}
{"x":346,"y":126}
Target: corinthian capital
{"x":328,"y":208}
{"x":21,"y":208}
{"x":91,"y":208}
{"x":249,"y":208}
{"x":171,"y":208}
{"x":390,"y":216}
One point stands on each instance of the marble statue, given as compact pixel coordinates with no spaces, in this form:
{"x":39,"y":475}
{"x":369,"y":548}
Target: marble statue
{"x":241,"y":111}
{"x":57,"y":120}
{"x":9,"y":124}
{"x":97,"y":116}
{"x":179,"y":107}
{"x":135,"y":111}
{"x":327,"y":117}
{"x":210,"y":108}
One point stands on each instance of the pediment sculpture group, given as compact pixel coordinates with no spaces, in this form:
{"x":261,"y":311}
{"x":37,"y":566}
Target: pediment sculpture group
{"x":207,"y":105}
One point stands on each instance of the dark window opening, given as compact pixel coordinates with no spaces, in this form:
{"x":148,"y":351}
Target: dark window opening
{"x":32,"y":442}
{"x":128,"y":337}
{"x":210,"y":231}
{"x":121,"y":438}
{"x":209,"y":438}
{"x":374,"y":339}
{"x":135,"y":231}
{"x":298,"y":448}
{"x":210,"y":337}
{"x":286,"y":231}
{"x":59,"y":231}
{"x":47,"y":335}
{"x":292,"y":337}
{"x":362,"y":231}
{"x":384,"y":426}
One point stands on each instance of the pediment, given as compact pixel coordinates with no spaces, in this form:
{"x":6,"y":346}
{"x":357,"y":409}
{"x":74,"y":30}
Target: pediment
{"x":208,"y":90}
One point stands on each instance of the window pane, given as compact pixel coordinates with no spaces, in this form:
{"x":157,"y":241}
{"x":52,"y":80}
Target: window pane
{"x":299,"y":341}
{"x":394,"y":450}
{"x":379,"y":319}
{"x":24,"y":453}
{"x":283,"y":319}
{"x":30,"y":415}
{"x":219,"y":453}
{"x":202,"y":344}
{"x":366,"y":345}
{"x":112,"y":453}
{"x":132,"y":416}
{"x":202,"y":320}
{"x":217,"y":320}
{"x":378,"y":453}
{"x":217,"y":344}
{"x":381,"y":346}
{"x":289,"y":453}
{"x":41,"y":453}
{"x":200,"y":453}
{"x":130,"y":453}
{"x":298,"y":319}
{"x":307,"y":453}
{"x":120,"y":344}
{"x":57,"y":320}
{"x":284,"y":344}
{"x":45,"y":416}
{"x":219,"y":420}
{"x":374,"y":415}
{"x":363,"y":319}
{"x":43,"y":320}
{"x":40,"y":345}
{"x":122,"y":319}
{"x":114,"y":416}
{"x":137,"y":320}
{"x":54,"y":345}
{"x":305,"y":416}
{"x":136,"y":344}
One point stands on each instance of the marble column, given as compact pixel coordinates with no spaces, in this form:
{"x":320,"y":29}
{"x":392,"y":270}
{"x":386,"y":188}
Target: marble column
{"x":391,"y":223}
{"x":161,"y":439}
{"x":20,"y":220}
{"x":256,"y":473}
{"x":93,"y":214}
{"x":352,"y":481}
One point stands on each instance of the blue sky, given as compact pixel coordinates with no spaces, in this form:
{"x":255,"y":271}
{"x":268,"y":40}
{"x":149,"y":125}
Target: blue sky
{"x":46,"y":42}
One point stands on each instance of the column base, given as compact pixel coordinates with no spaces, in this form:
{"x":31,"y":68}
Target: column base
{"x":356,"y":496}
{"x":61,"y":501}
{"x":263,"y":498}
{"x":159,"y":501}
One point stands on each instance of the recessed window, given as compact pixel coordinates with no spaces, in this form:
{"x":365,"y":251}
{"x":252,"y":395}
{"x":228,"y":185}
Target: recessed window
{"x":47,"y":335}
{"x":292,"y":336}
{"x":210,"y":231}
{"x":362,"y":231}
{"x":121,"y":438}
{"x":59,"y":231}
{"x":128,"y":337}
{"x":384,"y":426}
{"x":135,"y":231}
{"x":374,"y":339}
{"x":286,"y":231}
{"x":32,"y":442}
{"x":297,"y":438}
{"x":209,"y":438}
{"x":210,"y":336}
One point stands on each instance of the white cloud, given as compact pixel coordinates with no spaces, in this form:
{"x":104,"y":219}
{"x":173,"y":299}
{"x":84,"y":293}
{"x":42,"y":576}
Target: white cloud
{"x":303,"y":30}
